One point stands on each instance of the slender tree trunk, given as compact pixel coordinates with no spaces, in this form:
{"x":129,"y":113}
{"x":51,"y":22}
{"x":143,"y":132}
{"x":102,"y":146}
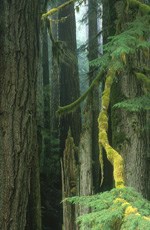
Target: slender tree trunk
{"x":69,"y":79}
{"x":85,"y":159}
{"x":18,"y":73}
{"x":69,"y":91}
{"x":95,"y":95}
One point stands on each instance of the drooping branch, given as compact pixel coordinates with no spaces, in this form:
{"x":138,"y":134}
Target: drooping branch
{"x":69,"y":108}
{"x":113,"y":156}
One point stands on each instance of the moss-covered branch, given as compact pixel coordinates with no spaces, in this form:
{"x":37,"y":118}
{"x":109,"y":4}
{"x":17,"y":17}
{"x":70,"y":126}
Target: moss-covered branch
{"x":113,"y":156}
{"x":143,"y":8}
{"x":54,"y":10}
{"x":69,"y":108}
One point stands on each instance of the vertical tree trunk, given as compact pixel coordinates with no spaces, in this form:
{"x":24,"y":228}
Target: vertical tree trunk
{"x":18,"y":72}
{"x":85,"y":159}
{"x":108,"y":25}
{"x":130,"y":137}
{"x":95,"y":95}
{"x":69,"y":79}
{"x":70,"y":175}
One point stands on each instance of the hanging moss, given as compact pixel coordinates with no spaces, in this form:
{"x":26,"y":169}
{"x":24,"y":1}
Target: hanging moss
{"x":113,"y":156}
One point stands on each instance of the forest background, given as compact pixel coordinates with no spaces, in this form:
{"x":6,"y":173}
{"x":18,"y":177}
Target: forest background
{"x":74,"y":115}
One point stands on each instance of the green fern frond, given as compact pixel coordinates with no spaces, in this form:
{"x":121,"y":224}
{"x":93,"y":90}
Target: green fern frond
{"x":135,"y":105}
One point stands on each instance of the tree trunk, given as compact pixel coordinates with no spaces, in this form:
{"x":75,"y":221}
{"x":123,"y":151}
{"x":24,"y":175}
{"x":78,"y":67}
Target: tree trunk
{"x":18,"y":73}
{"x":69,"y":79}
{"x":70,"y":175}
{"x":95,"y":95}
{"x":85,"y":159}
{"x":131,"y":137}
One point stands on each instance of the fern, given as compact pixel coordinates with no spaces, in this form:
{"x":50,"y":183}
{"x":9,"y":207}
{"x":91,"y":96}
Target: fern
{"x":135,"y":105}
{"x":134,"y":38}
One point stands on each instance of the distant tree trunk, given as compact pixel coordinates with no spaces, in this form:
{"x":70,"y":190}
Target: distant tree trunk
{"x":69,"y":91}
{"x":69,"y":78}
{"x":54,"y":80}
{"x":18,"y":142}
{"x":46,"y":91}
{"x":95,"y":95}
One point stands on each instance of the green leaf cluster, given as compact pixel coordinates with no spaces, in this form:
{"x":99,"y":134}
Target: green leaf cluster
{"x":107,"y":214}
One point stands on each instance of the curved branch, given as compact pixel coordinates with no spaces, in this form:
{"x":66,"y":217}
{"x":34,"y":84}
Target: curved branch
{"x":69,"y":108}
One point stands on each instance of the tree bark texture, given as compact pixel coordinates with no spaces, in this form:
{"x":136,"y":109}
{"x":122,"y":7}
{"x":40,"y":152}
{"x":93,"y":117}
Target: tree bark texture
{"x":131,"y":136}
{"x":18,"y":72}
{"x":85,"y":156}
{"x":70,"y":176}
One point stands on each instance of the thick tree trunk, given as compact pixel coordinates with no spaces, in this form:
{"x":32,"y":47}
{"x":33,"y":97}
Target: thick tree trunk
{"x":129,"y":132}
{"x":18,"y":72}
{"x":131,"y":137}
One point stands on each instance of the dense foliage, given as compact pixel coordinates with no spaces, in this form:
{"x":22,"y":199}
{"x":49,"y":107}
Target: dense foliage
{"x":117,"y":209}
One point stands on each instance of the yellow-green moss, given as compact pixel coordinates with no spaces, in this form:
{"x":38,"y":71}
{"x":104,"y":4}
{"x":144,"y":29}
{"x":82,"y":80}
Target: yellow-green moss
{"x":104,"y":120}
{"x":129,"y":209}
{"x":113,"y":156}
{"x":54,"y":10}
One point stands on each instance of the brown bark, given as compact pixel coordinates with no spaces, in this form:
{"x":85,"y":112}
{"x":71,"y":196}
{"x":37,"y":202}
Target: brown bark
{"x":69,"y":181}
{"x":130,"y":136}
{"x":85,"y":159}
{"x":18,"y":71}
